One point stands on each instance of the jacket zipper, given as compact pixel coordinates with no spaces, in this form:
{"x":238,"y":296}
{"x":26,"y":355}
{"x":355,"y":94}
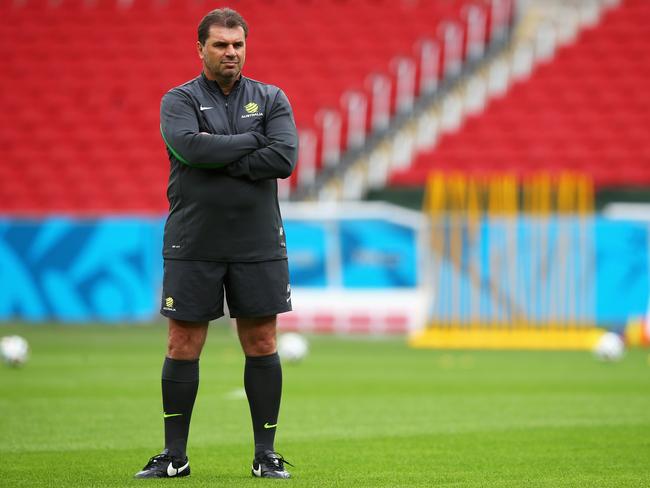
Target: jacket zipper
{"x":231,"y":124}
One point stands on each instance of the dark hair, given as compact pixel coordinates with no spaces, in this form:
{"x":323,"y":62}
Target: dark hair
{"x":223,"y":17}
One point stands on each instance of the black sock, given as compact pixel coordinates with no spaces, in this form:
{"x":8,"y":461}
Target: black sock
{"x":263,"y":383}
{"x":180,"y":382}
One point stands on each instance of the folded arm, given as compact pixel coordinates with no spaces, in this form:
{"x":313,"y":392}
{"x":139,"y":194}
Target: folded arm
{"x":278,"y":158}
{"x":179,"y":127}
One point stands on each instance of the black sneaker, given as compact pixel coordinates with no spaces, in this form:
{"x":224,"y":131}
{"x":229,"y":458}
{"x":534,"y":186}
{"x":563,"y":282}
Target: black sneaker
{"x":270,"y":465}
{"x":165,"y":466}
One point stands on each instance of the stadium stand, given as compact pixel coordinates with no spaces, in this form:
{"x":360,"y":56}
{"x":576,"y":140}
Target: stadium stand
{"x":587,"y":110}
{"x":82,"y":81}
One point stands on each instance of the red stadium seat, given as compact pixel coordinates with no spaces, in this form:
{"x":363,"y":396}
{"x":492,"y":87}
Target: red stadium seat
{"x":589,"y":109}
{"x":81,"y":120}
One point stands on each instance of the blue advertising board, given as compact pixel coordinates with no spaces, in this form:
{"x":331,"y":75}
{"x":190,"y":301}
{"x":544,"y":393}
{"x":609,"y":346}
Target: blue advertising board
{"x":110,"y":269}
{"x":80,"y":270}
{"x":378,"y":254}
{"x":352,"y":253}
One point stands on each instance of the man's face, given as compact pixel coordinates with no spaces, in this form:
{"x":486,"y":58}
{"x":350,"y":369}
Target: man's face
{"x":223,"y":53}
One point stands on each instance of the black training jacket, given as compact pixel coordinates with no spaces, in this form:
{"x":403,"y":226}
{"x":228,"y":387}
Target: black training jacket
{"x":226,"y":153}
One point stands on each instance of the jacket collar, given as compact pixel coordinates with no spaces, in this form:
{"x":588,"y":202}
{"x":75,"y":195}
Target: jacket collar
{"x":213,"y":85}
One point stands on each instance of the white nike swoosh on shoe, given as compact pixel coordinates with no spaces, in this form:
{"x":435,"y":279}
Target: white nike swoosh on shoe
{"x":202,"y":108}
{"x":172,"y":471}
{"x":257,"y":472}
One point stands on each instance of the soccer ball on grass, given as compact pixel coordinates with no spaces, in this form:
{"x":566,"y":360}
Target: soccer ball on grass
{"x":292,"y":347}
{"x":14,"y":350}
{"x":610,"y":347}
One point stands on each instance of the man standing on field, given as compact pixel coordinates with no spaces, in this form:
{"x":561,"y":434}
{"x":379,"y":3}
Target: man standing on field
{"x":228,"y":138}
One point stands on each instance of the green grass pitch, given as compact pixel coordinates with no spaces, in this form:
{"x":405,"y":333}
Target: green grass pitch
{"x":359,"y":412}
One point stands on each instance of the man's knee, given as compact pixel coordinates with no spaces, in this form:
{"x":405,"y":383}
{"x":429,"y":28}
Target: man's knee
{"x":185,"y":339}
{"x":257,"y":336}
{"x":261,"y":345}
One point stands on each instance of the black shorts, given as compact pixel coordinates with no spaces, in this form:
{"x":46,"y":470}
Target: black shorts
{"x":193,"y":291}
